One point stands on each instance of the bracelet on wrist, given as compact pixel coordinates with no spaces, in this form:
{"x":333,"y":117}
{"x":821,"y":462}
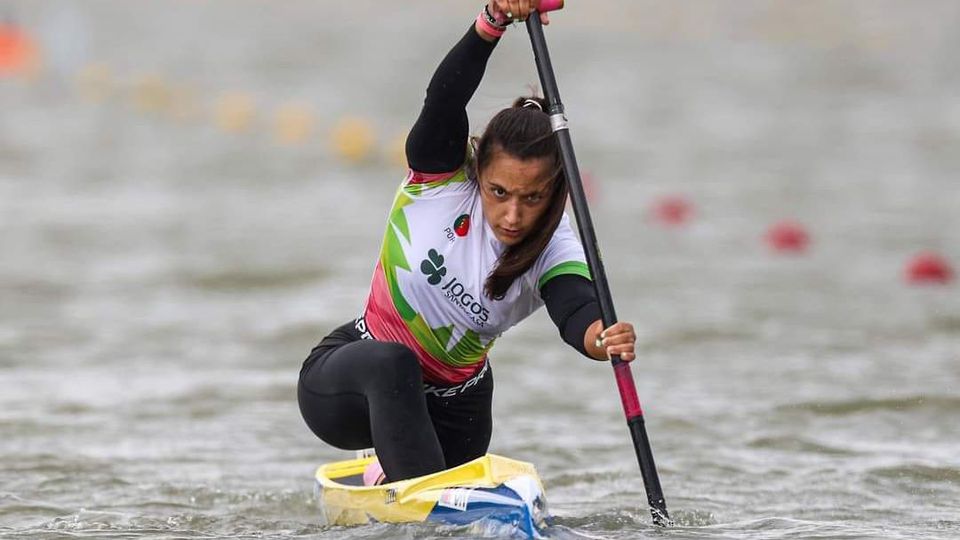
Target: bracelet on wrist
{"x":488,"y":27}
{"x":501,"y":24}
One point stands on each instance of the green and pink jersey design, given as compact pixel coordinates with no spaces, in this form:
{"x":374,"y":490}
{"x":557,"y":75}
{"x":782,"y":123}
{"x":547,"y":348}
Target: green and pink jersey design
{"x":427,"y":289}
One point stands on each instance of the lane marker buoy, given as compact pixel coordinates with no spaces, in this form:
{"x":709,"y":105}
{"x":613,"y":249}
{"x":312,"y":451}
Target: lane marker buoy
{"x":672,"y":210}
{"x":788,"y":237}
{"x":19,"y":54}
{"x":293,"y":123}
{"x":928,"y":268}
{"x":234,"y":112}
{"x":353,"y":139}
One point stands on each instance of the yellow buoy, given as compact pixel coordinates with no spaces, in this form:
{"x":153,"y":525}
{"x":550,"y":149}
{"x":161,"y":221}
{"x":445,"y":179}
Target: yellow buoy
{"x":353,"y":139}
{"x":293,"y":123}
{"x":396,"y":151}
{"x":151,"y":94}
{"x":234,"y":112}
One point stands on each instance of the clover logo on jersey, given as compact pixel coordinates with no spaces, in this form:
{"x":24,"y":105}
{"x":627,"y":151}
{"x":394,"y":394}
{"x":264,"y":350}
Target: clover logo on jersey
{"x":433,"y":267}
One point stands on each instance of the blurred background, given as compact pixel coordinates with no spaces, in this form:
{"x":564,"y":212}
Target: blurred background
{"x":192,"y":193}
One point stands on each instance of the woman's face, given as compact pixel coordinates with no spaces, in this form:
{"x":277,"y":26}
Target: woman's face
{"x":514,"y":193}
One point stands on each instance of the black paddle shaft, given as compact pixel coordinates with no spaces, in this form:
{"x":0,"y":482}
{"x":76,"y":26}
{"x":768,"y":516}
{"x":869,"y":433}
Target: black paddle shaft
{"x":628,"y":393}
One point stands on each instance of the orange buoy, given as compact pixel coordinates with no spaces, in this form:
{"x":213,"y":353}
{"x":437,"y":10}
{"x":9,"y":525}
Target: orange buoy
{"x":18,"y":51}
{"x":788,"y":237}
{"x":928,"y":268}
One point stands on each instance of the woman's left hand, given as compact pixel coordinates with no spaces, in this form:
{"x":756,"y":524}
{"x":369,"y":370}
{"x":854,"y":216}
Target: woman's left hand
{"x":517,"y":10}
{"x":619,"y":339}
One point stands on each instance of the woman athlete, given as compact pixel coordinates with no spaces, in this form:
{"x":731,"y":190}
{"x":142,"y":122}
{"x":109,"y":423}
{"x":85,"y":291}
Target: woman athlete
{"x":476,"y":241}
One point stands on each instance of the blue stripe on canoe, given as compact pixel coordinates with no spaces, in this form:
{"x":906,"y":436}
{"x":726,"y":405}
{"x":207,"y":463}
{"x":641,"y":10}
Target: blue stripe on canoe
{"x":500,"y":504}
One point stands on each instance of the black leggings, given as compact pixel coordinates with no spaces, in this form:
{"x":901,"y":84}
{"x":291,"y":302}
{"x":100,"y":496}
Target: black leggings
{"x":358,"y":393}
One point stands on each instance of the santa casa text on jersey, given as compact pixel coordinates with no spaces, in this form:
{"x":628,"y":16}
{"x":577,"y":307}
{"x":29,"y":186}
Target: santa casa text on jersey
{"x":454,"y":290}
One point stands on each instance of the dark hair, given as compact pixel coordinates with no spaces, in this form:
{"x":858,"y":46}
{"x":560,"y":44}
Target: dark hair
{"x":523,"y":131}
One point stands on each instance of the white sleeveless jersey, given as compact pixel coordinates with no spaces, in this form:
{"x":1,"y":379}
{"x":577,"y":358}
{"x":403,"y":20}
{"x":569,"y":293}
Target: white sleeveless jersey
{"x":427,"y":289}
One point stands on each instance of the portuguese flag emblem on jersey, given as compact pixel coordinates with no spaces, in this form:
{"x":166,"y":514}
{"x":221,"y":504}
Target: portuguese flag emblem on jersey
{"x":462,"y":225}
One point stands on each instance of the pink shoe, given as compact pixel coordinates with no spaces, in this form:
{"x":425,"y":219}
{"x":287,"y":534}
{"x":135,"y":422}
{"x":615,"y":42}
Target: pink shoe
{"x":373,"y":474}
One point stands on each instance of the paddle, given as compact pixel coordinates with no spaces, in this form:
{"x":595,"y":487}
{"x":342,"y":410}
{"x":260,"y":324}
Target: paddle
{"x":621,"y":369}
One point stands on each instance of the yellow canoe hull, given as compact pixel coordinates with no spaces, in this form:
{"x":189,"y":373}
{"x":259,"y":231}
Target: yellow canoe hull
{"x":496,"y":490}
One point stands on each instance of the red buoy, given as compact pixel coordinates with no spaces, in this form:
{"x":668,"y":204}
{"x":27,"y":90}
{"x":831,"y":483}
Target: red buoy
{"x":788,"y":237}
{"x":928,"y":268}
{"x":672,"y":210}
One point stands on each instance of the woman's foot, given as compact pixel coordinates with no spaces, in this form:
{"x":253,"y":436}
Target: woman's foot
{"x":373,"y":474}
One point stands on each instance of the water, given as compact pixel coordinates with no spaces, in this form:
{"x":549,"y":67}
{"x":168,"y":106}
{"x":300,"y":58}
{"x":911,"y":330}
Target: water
{"x":161,"y":279}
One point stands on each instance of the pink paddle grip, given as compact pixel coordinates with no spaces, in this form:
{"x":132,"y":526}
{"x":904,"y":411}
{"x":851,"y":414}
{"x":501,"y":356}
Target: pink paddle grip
{"x":550,"y":5}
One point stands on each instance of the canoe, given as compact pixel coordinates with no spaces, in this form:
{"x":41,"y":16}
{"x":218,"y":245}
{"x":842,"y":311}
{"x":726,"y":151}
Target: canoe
{"x":493,"y":492}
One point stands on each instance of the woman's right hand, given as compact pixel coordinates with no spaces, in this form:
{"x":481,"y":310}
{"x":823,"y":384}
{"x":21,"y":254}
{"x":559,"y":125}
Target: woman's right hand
{"x":516,"y":10}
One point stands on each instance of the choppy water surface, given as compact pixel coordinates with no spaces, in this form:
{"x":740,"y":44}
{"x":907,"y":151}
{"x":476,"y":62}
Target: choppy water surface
{"x":161,"y":279}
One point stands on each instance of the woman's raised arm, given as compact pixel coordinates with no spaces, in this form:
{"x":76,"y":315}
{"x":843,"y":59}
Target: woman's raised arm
{"x":438,"y":141}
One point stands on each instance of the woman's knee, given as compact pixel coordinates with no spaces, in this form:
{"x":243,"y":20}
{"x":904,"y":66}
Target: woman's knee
{"x":342,"y":421}
{"x":395,"y":366}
